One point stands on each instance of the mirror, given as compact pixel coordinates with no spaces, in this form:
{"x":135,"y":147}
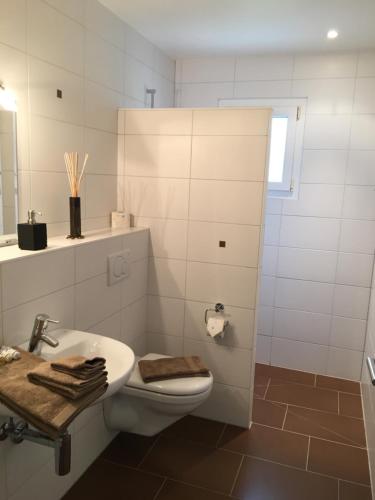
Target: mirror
{"x":8,"y":176}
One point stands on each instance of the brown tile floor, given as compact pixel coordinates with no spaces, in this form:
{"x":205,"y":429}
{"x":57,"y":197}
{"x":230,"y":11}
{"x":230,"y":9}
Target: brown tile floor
{"x":307,"y":442}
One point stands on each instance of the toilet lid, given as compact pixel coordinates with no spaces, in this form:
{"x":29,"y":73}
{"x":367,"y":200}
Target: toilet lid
{"x":176,"y":387}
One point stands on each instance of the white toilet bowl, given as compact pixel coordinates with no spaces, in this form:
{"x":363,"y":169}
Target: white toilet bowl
{"x":149,"y":408}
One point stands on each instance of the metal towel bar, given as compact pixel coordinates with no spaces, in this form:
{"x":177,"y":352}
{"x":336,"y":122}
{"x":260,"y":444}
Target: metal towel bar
{"x":371,"y":368}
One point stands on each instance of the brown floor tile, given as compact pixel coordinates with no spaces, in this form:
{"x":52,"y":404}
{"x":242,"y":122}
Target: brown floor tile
{"x":193,"y":463}
{"x":260,"y":385}
{"x":350,"y":491}
{"x":266,"y":442}
{"x":261,"y":480}
{"x":268,"y":413}
{"x":350,"y":405}
{"x":339,"y":460}
{"x":128,"y":449}
{"x":285,"y":374}
{"x":302,"y":395}
{"x":325,"y":425}
{"x":338,"y":384}
{"x":200,"y":430}
{"x":103,"y":477}
{"x":178,"y":491}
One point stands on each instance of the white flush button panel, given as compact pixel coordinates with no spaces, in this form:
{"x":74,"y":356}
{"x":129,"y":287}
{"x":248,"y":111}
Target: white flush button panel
{"x":118,"y":267}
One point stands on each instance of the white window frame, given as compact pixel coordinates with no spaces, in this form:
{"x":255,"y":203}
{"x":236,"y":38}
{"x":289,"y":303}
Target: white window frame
{"x":295,"y":110}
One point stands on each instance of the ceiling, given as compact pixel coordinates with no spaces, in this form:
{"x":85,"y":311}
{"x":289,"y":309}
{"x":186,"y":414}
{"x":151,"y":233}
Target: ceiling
{"x":184,"y":28}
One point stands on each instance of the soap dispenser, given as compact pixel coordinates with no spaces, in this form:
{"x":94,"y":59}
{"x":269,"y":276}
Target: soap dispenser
{"x":32,"y":235}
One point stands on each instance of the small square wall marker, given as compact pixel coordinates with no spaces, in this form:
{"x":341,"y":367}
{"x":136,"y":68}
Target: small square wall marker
{"x":222,"y":244}
{"x":59,"y":93}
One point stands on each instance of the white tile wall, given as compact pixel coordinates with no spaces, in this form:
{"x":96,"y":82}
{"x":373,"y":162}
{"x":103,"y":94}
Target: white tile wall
{"x":181,"y":181}
{"x":71,"y":286}
{"x":326,"y":237}
{"x":78,"y":47}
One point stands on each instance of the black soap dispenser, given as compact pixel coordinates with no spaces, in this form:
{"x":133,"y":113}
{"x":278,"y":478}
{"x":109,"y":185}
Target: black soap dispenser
{"x":32,"y":235}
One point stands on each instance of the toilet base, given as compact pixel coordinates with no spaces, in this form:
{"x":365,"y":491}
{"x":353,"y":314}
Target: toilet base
{"x":128,"y":411}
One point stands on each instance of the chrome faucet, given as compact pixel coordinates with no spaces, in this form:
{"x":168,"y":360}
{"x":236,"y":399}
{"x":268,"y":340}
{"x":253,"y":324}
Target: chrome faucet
{"x":39,"y":332}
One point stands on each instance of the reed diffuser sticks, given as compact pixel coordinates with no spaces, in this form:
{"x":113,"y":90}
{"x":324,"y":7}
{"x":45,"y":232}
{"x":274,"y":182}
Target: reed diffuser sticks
{"x":72,"y":169}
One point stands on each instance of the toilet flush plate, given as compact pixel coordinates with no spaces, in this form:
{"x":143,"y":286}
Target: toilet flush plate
{"x":118,"y":267}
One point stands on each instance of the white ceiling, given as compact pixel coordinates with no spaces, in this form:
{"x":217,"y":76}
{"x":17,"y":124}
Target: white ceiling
{"x":184,"y":28}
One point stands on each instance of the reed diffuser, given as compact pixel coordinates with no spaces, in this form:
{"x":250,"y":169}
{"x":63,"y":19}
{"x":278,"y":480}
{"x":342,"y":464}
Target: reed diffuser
{"x":75,"y":178}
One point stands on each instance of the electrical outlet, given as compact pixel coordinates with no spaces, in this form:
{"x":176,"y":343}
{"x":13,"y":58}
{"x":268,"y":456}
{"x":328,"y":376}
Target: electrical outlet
{"x":118,"y":267}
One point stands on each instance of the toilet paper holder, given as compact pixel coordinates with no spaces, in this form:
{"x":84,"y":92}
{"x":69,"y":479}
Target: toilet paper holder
{"x":218,"y":309}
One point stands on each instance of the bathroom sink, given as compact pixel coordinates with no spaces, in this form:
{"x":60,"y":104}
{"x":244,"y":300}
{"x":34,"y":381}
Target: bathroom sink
{"x":119,"y":357}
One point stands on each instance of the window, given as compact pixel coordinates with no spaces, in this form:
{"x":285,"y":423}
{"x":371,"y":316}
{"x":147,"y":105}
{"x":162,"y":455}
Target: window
{"x":285,"y":149}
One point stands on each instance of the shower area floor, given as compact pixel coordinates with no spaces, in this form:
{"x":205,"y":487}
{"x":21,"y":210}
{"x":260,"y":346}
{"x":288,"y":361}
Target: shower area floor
{"x":307,"y":442}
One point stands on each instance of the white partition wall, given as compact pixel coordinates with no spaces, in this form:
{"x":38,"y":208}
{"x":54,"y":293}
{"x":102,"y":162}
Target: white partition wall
{"x":196,"y":178}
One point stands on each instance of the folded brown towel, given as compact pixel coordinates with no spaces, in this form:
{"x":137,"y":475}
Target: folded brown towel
{"x":169,"y":368}
{"x":64,"y":384}
{"x":46,"y":410}
{"x":79,"y":366}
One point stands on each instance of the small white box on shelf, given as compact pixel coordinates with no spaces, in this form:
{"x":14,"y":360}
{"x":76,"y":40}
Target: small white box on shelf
{"x":120,"y":219}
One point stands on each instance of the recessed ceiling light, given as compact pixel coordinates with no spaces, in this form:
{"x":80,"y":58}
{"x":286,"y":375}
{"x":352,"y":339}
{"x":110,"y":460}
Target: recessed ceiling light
{"x":332,"y":34}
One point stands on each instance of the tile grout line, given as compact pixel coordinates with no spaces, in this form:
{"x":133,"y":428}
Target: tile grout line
{"x":160,"y":488}
{"x":236,"y":476}
{"x":148,"y":452}
{"x":267,"y":387}
{"x":284,"y":420}
{"x":307,"y":455}
{"x":221,"y":435}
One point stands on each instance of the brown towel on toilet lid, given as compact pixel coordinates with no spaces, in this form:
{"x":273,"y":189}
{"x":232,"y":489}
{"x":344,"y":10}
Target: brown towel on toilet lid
{"x":170,"y":368}
{"x":47,"y":411}
{"x":79,"y":366}
{"x":65,"y":384}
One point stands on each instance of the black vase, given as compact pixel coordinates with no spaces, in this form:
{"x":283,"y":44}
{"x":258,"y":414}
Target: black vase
{"x":75,"y":217}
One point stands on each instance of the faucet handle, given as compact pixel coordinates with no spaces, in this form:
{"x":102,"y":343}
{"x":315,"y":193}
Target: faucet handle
{"x":49,"y":320}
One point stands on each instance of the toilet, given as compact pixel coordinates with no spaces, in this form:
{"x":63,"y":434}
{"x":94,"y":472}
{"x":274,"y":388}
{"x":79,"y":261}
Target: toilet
{"x":149,"y":408}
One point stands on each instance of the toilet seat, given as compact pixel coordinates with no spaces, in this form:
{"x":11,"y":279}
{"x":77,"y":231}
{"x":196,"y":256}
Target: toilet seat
{"x":181,"y":387}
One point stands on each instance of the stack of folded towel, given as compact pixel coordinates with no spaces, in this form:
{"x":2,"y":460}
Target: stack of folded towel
{"x":47,"y":406}
{"x":72,"y":377}
{"x":170,"y":368}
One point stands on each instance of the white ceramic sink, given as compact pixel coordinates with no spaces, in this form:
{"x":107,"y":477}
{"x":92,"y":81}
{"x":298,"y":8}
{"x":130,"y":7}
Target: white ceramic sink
{"x":119,"y":357}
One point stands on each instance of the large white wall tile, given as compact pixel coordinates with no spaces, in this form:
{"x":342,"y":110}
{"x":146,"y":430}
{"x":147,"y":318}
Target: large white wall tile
{"x":304,"y":295}
{"x":165,"y":344}
{"x":302,"y":326}
{"x":327,"y":131}
{"x":103,"y":22}
{"x":344,"y":363}
{"x":134,"y":287}
{"x":228,"y":158}
{"x":228,"y":366}
{"x":226,"y":201}
{"x":265,"y":315}
{"x":326,"y":96}
{"x":198,"y":95}
{"x":157,"y":197}
{"x":160,"y":122}
{"x":273,"y":67}
{"x":101,"y":191}
{"x":269,"y":260}
{"x":272,"y":229}
{"x":303,"y":264}
{"x":262,"y":89}
{"x":361,"y":168}
{"x":322,"y":166}
{"x":364,"y":99}
{"x":267,"y":291}
{"x":165,"y":316}
{"x":332,"y":65}
{"x":168,"y":237}
{"x":351,"y":301}
{"x":309,"y":232}
{"x":348,"y":333}
{"x":363,"y":132}
{"x":43,"y":99}
{"x":54,"y":37}
{"x":91,"y":259}
{"x":208,"y":70}
{"x":357,"y":236}
{"x":359,"y":202}
{"x":139,"y":47}
{"x":241,"y":243}
{"x":263,"y":349}
{"x":354,"y":269}
{"x":303,"y":356}
{"x":39,"y":275}
{"x":101,"y":104}
{"x":13,"y":25}
{"x":157,"y":156}
{"x":102,"y":150}
{"x":238,"y":333}
{"x":366,"y":63}
{"x":230,"y":285}
{"x":330,"y":199}
{"x":134,"y":324}
{"x":167,"y":277}
{"x":231,"y":122}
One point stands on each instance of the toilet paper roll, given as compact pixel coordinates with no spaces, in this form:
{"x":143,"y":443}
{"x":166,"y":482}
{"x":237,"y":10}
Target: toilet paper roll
{"x":216,"y":326}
